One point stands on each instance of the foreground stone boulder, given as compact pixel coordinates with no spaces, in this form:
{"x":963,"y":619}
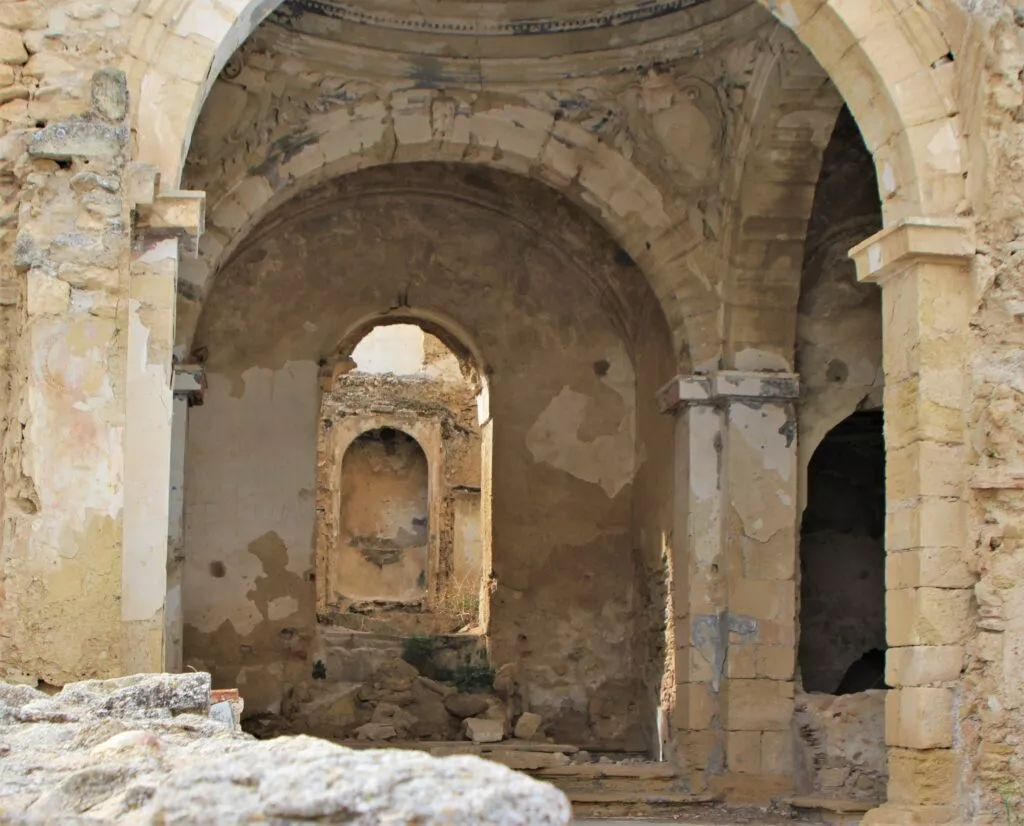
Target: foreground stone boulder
{"x":143,"y":750}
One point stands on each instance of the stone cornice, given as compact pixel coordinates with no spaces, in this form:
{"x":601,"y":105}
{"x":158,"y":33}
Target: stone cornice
{"x":912,"y":241}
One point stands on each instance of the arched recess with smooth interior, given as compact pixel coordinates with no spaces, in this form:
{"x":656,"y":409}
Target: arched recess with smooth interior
{"x":575,"y":347}
{"x":383,"y":548}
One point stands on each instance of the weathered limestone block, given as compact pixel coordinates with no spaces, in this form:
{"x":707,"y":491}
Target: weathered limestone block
{"x":483,"y":731}
{"x":466,"y":705}
{"x":921,"y":665}
{"x":928,"y":616}
{"x":759,"y":705}
{"x":919,"y":718}
{"x":105,"y":754}
{"x":924,"y":778}
{"x":12,"y":47}
{"x":125,"y":696}
{"x":841,"y":745}
{"x":528,"y":725}
{"x":79,"y":139}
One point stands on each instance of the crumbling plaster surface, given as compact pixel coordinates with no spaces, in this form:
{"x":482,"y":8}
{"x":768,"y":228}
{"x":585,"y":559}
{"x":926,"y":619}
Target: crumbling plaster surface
{"x":891,"y":61}
{"x":442,"y":416}
{"x":540,"y":290}
{"x":643,"y":152}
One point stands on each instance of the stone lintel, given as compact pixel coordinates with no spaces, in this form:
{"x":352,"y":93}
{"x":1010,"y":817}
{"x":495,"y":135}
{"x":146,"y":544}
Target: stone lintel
{"x":189,"y":382}
{"x":174,"y":214}
{"x":913,"y":241}
{"x":727,"y":385}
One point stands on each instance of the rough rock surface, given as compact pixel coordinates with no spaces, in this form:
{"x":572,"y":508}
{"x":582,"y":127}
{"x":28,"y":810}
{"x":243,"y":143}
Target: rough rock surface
{"x":143,"y":750}
{"x":842,"y":745}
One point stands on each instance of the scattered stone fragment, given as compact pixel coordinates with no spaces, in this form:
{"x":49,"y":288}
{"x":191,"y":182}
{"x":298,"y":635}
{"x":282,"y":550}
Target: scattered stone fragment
{"x":528,"y":725}
{"x":483,"y":731}
{"x":137,"y":750}
{"x":376,"y":731}
{"x":466,"y":705}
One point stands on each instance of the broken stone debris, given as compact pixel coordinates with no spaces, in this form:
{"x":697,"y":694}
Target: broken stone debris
{"x":147,"y":750}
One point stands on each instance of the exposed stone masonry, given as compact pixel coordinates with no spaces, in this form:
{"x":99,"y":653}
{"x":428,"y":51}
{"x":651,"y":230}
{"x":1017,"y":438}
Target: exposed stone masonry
{"x":644,"y":566}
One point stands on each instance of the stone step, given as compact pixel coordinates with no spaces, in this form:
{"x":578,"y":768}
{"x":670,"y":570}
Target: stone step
{"x":833,"y":810}
{"x":638,"y":798}
{"x":653,"y":778}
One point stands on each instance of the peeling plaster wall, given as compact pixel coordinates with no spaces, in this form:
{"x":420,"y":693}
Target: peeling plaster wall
{"x":653,"y":536}
{"x":247,"y":593}
{"x":557,"y":319}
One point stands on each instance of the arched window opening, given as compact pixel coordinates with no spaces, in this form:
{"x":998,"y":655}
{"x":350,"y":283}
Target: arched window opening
{"x":842,"y":561}
{"x":403,"y":544}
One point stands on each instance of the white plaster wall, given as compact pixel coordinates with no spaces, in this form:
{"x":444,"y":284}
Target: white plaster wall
{"x":251,"y":470}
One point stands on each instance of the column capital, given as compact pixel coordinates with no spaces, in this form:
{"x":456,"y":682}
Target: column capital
{"x":725,"y":386}
{"x":189,"y":383}
{"x":912,"y":241}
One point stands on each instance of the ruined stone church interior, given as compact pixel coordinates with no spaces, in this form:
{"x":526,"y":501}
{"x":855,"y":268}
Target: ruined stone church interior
{"x":600,"y":388}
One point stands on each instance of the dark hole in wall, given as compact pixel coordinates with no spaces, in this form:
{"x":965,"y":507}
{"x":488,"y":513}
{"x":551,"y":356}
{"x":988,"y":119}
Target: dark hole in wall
{"x":842,"y":555}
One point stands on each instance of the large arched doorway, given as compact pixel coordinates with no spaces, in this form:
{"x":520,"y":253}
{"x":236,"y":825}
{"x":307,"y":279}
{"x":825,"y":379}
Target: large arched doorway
{"x":659,"y":230}
{"x":577,"y":457}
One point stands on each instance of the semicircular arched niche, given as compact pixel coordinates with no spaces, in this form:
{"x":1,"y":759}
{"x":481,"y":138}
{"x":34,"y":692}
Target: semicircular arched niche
{"x":383,"y":548}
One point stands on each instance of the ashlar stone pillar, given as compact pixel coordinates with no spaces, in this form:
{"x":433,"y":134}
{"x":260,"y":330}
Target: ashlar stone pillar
{"x":735,"y":588}
{"x":923,"y":267}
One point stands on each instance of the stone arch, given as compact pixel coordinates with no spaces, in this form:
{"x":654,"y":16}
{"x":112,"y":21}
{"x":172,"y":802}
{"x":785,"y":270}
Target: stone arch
{"x":425,"y":126}
{"x":447,"y":330}
{"x":894,"y":68}
{"x":793,"y":111}
{"x":889,"y":60}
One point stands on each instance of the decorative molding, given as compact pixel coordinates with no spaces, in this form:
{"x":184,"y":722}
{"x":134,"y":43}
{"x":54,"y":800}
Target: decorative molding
{"x":470,"y":25}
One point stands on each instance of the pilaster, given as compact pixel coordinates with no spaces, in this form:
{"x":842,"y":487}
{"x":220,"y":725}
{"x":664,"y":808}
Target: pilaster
{"x":736,"y":608}
{"x":165,"y":223}
{"x":923,"y":267}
